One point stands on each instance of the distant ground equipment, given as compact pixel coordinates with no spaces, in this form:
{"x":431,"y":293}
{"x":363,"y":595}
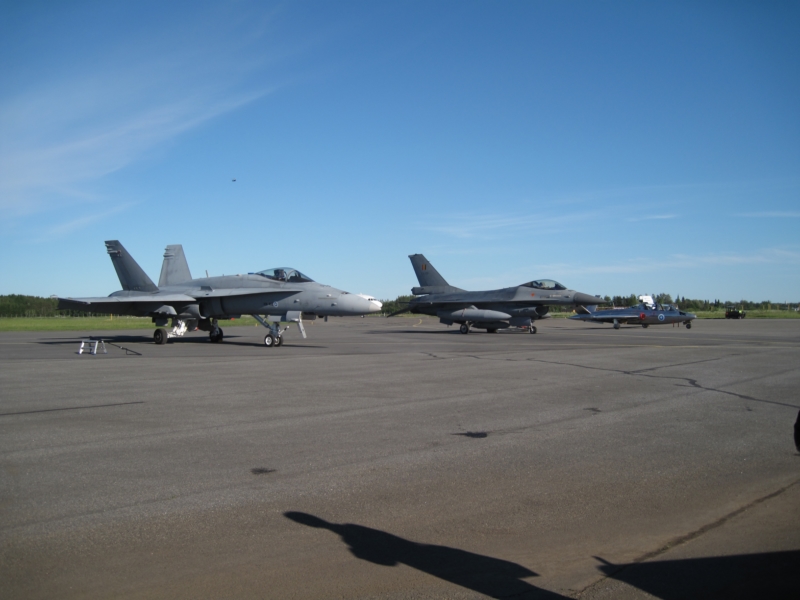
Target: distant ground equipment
{"x":731,"y":312}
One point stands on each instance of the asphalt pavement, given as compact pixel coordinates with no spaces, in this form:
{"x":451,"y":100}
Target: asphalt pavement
{"x":397,"y":458}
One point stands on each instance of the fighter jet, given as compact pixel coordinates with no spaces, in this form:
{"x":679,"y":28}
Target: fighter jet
{"x":647,"y":313}
{"x":517,"y":306}
{"x":272,"y":297}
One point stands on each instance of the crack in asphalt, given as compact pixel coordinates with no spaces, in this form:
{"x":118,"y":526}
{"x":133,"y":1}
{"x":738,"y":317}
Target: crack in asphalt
{"x":683,"y":539}
{"x":693,"y":383}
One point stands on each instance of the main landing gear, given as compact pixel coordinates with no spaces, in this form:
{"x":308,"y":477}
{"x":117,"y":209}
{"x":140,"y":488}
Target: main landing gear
{"x":532,"y":329}
{"x":179,"y":328}
{"x":160,"y":336}
{"x":215,"y":335}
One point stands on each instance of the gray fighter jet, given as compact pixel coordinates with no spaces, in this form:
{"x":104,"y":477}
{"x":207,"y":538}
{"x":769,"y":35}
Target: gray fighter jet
{"x":272,"y":297}
{"x":517,"y":306}
{"x":647,"y":313}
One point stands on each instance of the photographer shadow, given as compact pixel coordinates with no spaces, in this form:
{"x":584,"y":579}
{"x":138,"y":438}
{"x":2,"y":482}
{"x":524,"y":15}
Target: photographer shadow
{"x":492,"y":577}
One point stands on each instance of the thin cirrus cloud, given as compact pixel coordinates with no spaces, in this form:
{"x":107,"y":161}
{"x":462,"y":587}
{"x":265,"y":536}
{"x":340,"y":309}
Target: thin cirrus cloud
{"x":60,"y":137}
{"x":489,"y":226}
{"x":652,"y":218}
{"x":60,"y":166}
{"x":68,"y":227}
{"x":772,"y":214}
{"x":764,"y":256}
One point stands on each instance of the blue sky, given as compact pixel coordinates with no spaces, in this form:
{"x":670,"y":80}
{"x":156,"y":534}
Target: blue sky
{"x":618,"y":147}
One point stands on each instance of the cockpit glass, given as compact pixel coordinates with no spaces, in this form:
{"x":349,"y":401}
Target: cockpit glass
{"x":285,"y":274}
{"x":545,"y":284}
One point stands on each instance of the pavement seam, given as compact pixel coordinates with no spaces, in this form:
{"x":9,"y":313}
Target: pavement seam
{"x":693,"y":383}
{"x":693,"y":535}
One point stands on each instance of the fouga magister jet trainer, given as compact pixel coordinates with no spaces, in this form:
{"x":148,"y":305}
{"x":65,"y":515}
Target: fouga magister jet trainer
{"x":647,"y":313}
{"x":272,"y":297}
{"x":518,"y":306}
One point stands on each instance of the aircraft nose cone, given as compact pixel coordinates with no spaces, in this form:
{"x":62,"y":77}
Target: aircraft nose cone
{"x":353,"y":304}
{"x":586,"y":299}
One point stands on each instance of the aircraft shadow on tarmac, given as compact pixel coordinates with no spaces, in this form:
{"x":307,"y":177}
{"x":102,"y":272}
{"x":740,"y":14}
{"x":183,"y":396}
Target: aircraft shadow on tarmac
{"x":492,"y":577}
{"x":232,"y":340}
{"x":774,"y":575}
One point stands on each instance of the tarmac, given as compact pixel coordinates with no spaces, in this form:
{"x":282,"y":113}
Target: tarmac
{"x":397,"y":459}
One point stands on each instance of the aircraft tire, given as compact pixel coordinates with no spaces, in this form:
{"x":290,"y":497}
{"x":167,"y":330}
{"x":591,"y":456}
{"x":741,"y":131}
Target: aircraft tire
{"x":645,"y":325}
{"x":616,"y":325}
{"x":688,"y":326}
{"x":279,"y":341}
{"x":532,"y":330}
{"x":269,"y":341}
{"x":464,"y":328}
{"x":160,"y":336}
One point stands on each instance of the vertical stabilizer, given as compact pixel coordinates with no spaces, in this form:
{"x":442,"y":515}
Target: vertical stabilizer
{"x":426,"y":274}
{"x":174,"y":269}
{"x":130,"y":274}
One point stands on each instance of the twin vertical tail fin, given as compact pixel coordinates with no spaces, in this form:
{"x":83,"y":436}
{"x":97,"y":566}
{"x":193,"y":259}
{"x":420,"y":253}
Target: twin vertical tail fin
{"x":429,"y":279}
{"x":129,"y":272}
{"x":174,"y":269}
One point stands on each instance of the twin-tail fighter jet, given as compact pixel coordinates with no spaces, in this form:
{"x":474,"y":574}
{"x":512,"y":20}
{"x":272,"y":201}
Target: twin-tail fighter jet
{"x":647,"y":313}
{"x":272,"y":297}
{"x":517,"y":306}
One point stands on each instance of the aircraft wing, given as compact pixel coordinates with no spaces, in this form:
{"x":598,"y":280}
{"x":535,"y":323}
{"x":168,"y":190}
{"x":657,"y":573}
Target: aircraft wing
{"x":626,"y":318}
{"x":123,"y":304}
{"x":117,"y":300}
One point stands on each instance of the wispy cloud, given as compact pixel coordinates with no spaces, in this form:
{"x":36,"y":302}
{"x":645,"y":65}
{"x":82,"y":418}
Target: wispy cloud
{"x":489,"y":226}
{"x":765,"y":256}
{"x":773,"y":214}
{"x":59,"y":137}
{"x":63,"y":229}
{"x":651,"y":218}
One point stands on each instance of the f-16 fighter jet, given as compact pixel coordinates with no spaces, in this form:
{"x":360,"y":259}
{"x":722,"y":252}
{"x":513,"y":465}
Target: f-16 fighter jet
{"x":517,"y":306}
{"x":647,"y":313}
{"x":271,"y":297}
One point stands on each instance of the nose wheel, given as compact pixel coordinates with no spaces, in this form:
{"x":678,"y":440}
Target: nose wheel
{"x":532,"y":329}
{"x":273,"y":341}
{"x":464,"y":328}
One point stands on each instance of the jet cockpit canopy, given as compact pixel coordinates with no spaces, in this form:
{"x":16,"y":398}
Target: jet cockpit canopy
{"x":545,"y":284}
{"x":285,"y":274}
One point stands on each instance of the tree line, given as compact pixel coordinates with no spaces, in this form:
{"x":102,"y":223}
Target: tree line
{"x":18,"y":305}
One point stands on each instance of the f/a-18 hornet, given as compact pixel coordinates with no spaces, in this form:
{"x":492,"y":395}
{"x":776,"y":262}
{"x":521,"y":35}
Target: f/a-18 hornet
{"x":271,"y":297}
{"x":517,"y":306}
{"x":647,"y":313}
